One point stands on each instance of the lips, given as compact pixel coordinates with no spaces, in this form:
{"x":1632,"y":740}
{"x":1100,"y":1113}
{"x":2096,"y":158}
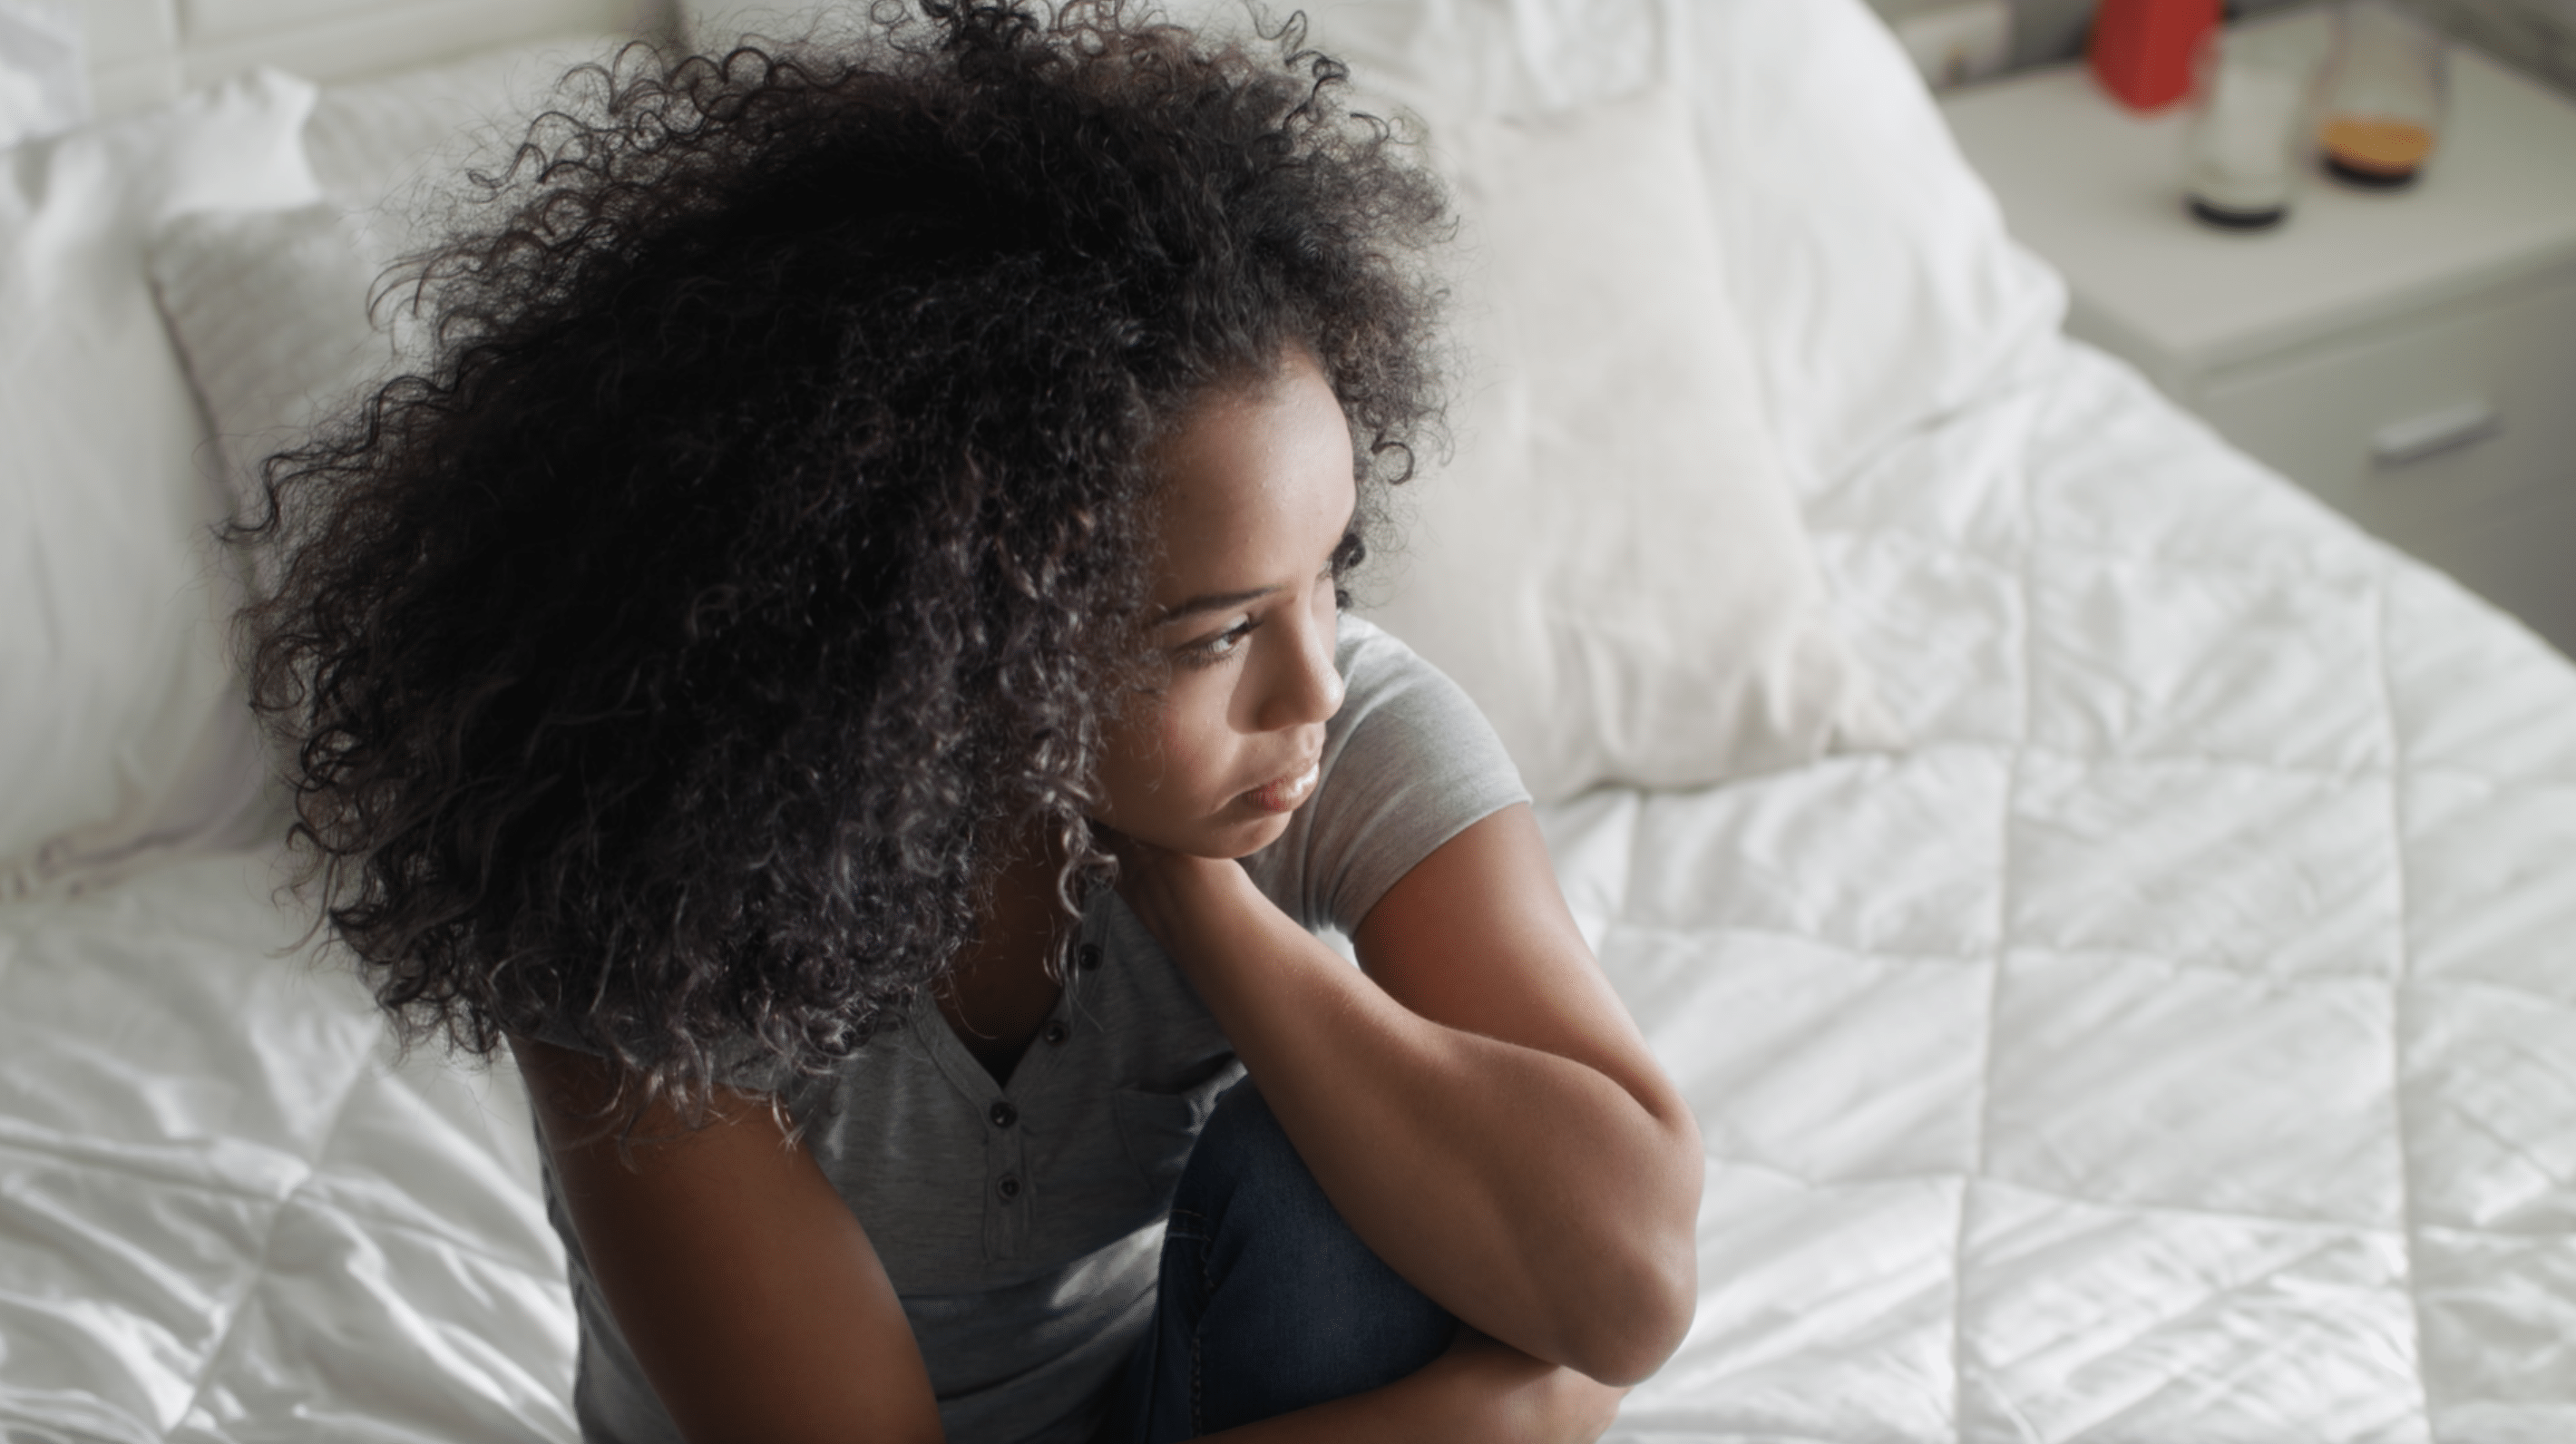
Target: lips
{"x":1286,"y":794}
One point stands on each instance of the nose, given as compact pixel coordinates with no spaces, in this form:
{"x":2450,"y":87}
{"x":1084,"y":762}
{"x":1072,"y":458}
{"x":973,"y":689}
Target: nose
{"x":1302,"y":686}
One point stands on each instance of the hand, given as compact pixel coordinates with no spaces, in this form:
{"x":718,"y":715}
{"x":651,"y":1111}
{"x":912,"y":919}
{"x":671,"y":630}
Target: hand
{"x":1177,"y":896}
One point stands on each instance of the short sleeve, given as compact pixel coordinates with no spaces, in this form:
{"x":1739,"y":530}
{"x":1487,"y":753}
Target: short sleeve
{"x":1409,"y":763}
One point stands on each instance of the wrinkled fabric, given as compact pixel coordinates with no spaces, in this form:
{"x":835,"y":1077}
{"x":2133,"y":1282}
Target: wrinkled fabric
{"x":2176,"y":1044}
{"x":230,"y":1209}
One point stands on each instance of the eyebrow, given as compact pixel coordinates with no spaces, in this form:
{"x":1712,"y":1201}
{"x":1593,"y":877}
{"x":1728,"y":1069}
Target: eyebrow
{"x":1220,"y":601}
{"x":1212,"y":602}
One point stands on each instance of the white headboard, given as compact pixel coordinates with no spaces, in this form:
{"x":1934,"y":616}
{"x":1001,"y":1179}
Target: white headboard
{"x":142,"y":51}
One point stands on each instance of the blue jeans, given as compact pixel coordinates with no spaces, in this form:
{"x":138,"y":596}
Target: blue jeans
{"x":1268,"y":1301}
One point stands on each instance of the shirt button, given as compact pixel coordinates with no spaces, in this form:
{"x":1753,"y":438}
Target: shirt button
{"x":1057,"y":1032}
{"x":1087,"y":957}
{"x":1009,"y":1187}
{"x":1004,"y":1115}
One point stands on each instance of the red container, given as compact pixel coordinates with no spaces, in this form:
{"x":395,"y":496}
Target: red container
{"x":2142,"y":48}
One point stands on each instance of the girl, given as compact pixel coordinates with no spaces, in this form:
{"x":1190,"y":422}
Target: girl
{"x":838,"y":665}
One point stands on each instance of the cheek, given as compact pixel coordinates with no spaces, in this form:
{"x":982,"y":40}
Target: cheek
{"x":1169,"y":759}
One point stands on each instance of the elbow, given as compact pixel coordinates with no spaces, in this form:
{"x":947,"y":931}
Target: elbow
{"x":1650,"y":1283}
{"x":1642,"y":1321}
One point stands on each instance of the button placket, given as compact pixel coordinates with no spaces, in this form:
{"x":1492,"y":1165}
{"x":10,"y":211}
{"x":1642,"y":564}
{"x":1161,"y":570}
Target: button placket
{"x":1006,"y":1229}
{"x":1010,"y":1195}
{"x":1007,"y":1195}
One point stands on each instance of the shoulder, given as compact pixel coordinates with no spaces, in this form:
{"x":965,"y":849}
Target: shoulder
{"x":1389,"y":692}
{"x":1409,"y":762}
{"x":1397,"y":706}
{"x":1373,"y":651}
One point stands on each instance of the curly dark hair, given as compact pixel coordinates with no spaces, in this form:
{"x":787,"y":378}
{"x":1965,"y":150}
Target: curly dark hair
{"x":663,"y":665}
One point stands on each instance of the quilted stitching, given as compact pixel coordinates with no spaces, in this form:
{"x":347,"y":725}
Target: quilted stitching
{"x":2186,"y":1017}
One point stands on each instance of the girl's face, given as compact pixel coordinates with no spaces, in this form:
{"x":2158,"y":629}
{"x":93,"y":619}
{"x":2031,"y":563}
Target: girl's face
{"x":1256,"y":497}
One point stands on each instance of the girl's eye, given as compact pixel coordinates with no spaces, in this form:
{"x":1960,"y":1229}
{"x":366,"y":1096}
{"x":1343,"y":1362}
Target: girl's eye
{"x":1212,"y":650}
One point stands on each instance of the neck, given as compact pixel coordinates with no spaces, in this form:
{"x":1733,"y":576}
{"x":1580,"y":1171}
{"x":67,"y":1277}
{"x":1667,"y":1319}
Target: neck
{"x":1019,"y":904}
{"x":1000,"y":988}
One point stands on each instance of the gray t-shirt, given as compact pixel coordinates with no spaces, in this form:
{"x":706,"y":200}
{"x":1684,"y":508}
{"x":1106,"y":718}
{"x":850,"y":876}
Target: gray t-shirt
{"x":1022,"y":1225}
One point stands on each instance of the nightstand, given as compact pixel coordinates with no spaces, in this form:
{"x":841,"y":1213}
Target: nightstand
{"x":2408,"y":356}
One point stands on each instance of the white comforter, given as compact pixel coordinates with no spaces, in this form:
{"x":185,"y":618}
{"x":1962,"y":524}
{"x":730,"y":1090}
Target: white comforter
{"x":2177,"y":1043}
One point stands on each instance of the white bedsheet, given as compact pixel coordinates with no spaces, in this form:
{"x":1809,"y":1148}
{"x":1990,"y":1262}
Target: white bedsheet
{"x":2178,"y":1043}
{"x":228,"y":1211}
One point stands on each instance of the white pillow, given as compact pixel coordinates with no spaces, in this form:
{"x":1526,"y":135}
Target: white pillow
{"x":1877,"y":285}
{"x":1612,"y":565}
{"x":1870,"y":267}
{"x":270,"y":313}
{"x":123,"y":730}
{"x":44,"y":69}
{"x":115,"y":677}
{"x":391,"y":148}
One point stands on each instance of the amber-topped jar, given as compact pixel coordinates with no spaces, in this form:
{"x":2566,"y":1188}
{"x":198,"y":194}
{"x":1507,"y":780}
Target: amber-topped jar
{"x":2380,"y":108}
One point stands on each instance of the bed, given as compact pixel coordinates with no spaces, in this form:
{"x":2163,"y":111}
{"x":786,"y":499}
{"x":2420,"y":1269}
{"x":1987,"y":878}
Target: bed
{"x":2162,"y":1026}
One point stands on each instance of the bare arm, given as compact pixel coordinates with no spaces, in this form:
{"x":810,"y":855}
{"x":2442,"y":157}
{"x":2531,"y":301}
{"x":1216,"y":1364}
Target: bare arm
{"x":743,"y":1283}
{"x":1478,"y":1105}
{"x":1480,"y":1392}
{"x":759,"y":1310}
